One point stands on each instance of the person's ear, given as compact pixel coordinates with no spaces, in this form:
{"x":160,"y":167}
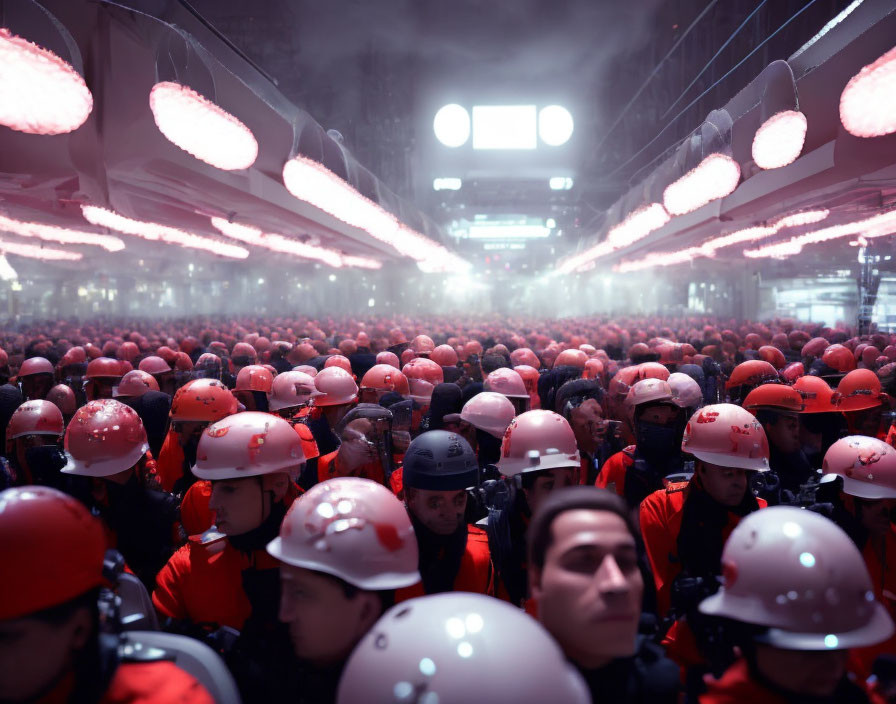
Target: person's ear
{"x":371,"y":610}
{"x":80,"y":628}
{"x":535,"y":583}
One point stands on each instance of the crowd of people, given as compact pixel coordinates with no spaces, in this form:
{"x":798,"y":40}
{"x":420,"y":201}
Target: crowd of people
{"x":441,"y":510}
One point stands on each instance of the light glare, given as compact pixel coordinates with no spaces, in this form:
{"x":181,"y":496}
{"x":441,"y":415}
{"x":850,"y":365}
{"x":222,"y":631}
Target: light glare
{"x":715,"y":177}
{"x":779,"y":141}
{"x":452,"y":125}
{"x":555,"y":125}
{"x":504,"y":127}
{"x":868,"y":103}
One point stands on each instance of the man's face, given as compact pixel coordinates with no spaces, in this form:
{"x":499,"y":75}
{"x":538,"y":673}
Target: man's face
{"x":587,"y":424}
{"x":324,"y":624}
{"x":727,"y":485}
{"x":589,"y":590}
{"x":188,"y":430}
{"x":34,"y":654}
{"x":659,"y":415}
{"x":247,"y":398}
{"x":547,"y":481}
{"x":100,"y":388}
{"x":442,"y":512}
{"x":814,"y":673}
{"x":239,"y":505}
{"x":785,"y":433}
{"x":36,"y":386}
{"x":865,"y":422}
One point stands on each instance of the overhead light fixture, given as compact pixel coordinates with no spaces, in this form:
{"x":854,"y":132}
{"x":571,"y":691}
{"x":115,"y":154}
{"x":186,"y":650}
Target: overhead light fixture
{"x":313,"y":183}
{"x":560,"y":183}
{"x":779,"y":141}
{"x":504,"y":127}
{"x":201,"y":128}
{"x":63,"y":235}
{"x":868,"y":103}
{"x":42,"y":93}
{"x":715,"y":177}
{"x":452,"y":125}
{"x":7,"y":273}
{"x":555,"y":125}
{"x":637,"y":225}
{"x":446,"y":184}
{"x":160,"y":233}
{"x":287,"y":245}
{"x":47,"y":254}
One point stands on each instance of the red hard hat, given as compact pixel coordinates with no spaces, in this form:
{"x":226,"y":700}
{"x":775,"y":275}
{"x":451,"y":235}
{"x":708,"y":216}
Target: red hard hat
{"x":867,"y":466}
{"x":571,"y":358}
{"x":254,"y":378}
{"x":793,"y":371}
{"x":203,"y":400}
{"x":182,"y":362}
{"x":376,"y":551}
{"x":103,"y":367}
{"x":524,"y":355}
{"x":64,"y":399}
{"x":869,"y":356}
{"x":590,"y":350}
{"x":407,"y":355}
{"x":726,"y":435}
{"x":506,"y":382}
{"x":248,"y":444}
{"x":35,"y":418}
{"x":858,"y":391}
{"x":800,"y":575}
{"x":105,"y":437}
{"x":753,"y":341}
{"x":815,"y":347}
{"x":128,"y":351}
{"x":422,"y":345}
{"x":56,"y":547}
{"x":337,"y":360}
{"x":136,"y":383}
{"x":389,"y":358}
{"x":167,"y":354}
{"x":594,"y":369}
{"x":816,"y":394}
{"x":385,"y":377}
{"x":890,"y":351}
{"x":472,"y":347}
{"x":752,"y":373}
{"x":773,"y":356}
{"x":839,"y":358}
{"x":244,"y":349}
{"x":154,"y":365}
{"x":639,"y":349}
{"x":623,"y":381}
{"x":423,"y":376}
{"x":262,"y":344}
{"x":337,"y":386}
{"x":652,"y":370}
{"x":537,"y":440}
{"x":444,"y":356}
{"x":35,"y":365}
{"x":774,"y":397}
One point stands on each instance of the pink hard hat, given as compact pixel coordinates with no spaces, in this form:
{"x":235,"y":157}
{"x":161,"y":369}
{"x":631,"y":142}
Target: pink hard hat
{"x":292,"y":389}
{"x":727,"y":435}
{"x":389,"y":358}
{"x":136,"y":383}
{"x":571,"y":358}
{"x":35,"y":418}
{"x":652,"y":370}
{"x":248,"y":444}
{"x":35,"y":365}
{"x":524,"y":355}
{"x":537,"y":440}
{"x":490,"y":412}
{"x":444,"y":356}
{"x":448,"y":647}
{"x":153,"y":365}
{"x":686,"y":392}
{"x":336,"y":385}
{"x":867,"y":466}
{"x":507,"y":382}
{"x":104,"y":437}
{"x":338,"y":360}
{"x":650,"y":391}
{"x":422,"y":345}
{"x":64,"y":399}
{"x":423,"y":376}
{"x":799,"y":574}
{"x":354,"y":529}
{"x":306,"y":369}
{"x":384,"y":378}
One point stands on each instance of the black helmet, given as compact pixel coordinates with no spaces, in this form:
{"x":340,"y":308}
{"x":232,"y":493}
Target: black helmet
{"x":440,"y":461}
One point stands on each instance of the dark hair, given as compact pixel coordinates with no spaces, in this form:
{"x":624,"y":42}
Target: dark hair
{"x":386,"y":596}
{"x":578,"y":387}
{"x":571,"y":498}
{"x":491,"y":362}
{"x":767,"y":416}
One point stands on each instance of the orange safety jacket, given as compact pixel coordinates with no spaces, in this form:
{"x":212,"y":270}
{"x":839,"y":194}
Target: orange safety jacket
{"x":612,"y":474}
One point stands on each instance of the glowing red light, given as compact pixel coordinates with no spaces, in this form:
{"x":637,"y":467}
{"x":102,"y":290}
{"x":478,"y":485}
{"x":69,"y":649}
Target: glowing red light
{"x":41,"y":93}
{"x":868,"y":103}
{"x":715,"y":177}
{"x":63,"y":235}
{"x":47,"y":254}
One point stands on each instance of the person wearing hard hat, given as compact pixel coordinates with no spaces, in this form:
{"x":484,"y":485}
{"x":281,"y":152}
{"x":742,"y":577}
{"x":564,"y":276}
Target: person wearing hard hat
{"x":861,"y":400}
{"x":51,"y":649}
{"x":797,"y":598}
{"x":365,"y":446}
{"x":33,"y":425}
{"x":587,"y":587}
{"x":35,"y":378}
{"x":338,"y":392}
{"x":582,"y":402}
{"x":439,"y":468}
{"x":685,"y":525}
{"x":482,"y":421}
{"x":344,"y":548}
{"x":106,"y":448}
{"x":821,"y":425}
{"x":643,"y":468}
